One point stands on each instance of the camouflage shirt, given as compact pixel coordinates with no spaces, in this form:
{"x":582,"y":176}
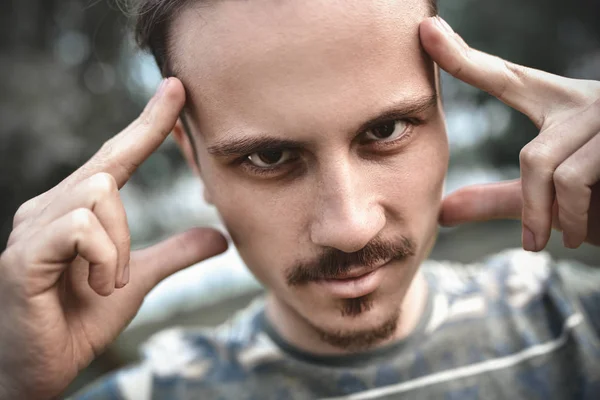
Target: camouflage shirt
{"x":515,"y":326}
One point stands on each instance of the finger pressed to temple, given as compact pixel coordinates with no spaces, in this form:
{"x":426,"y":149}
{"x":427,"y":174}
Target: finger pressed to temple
{"x":125,"y":152}
{"x":522,"y":88}
{"x":560,"y":107}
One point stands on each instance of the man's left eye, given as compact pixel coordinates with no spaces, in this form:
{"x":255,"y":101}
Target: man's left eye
{"x":387,"y":131}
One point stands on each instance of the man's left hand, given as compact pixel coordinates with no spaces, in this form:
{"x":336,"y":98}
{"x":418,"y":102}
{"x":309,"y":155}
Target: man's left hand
{"x":560,"y":169}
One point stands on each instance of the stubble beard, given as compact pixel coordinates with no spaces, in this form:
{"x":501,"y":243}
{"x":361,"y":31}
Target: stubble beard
{"x":332,"y":263}
{"x":358,"y":340}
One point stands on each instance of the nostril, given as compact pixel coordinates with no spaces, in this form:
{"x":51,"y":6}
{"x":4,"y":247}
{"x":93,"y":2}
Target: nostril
{"x":348,"y":233}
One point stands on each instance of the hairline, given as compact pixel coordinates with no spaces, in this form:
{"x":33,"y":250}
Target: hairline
{"x":153,"y":33}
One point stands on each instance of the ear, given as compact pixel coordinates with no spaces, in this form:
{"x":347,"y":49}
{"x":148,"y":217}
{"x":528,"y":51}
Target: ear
{"x":187,"y":149}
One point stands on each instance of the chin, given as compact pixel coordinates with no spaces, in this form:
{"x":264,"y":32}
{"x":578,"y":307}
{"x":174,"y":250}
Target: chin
{"x":357,"y":324}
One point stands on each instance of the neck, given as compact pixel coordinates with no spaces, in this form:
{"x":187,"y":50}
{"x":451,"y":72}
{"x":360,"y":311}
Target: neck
{"x":298,"y":332}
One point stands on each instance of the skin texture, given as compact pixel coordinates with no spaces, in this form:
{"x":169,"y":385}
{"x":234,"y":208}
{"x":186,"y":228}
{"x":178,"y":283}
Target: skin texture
{"x":284,"y":70}
{"x":560,"y":169}
{"x":312,"y":72}
{"x":70,"y":282}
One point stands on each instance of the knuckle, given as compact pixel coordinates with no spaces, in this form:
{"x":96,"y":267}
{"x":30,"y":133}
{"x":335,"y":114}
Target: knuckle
{"x":535,"y":156}
{"x":82,"y":220}
{"x":106,"y":152}
{"x":103,"y":184}
{"x":572,"y":218}
{"x":23,"y":212}
{"x":111,"y":155}
{"x":19,"y":217}
{"x":16,"y":235}
{"x":107,"y":148}
{"x":566,"y":176}
{"x":518,"y":76}
{"x":514,"y":72}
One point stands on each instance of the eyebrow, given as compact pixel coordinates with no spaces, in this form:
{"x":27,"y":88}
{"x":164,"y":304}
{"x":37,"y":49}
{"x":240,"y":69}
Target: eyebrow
{"x":248,"y":145}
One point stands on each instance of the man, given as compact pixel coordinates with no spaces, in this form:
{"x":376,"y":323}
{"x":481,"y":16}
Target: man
{"x":317,"y":128}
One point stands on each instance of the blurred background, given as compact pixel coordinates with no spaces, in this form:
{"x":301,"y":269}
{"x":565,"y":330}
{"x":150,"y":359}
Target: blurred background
{"x":71,"y":77}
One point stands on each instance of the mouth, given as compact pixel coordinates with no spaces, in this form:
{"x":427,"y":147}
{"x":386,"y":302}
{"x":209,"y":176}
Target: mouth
{"x":355,"y":283}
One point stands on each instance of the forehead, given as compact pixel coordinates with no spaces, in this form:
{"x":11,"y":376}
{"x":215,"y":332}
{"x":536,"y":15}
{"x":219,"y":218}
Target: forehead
{"x":298,"y":58}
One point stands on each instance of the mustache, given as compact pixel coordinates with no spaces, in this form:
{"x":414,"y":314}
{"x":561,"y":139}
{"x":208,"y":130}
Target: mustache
{"x":333,"y":262}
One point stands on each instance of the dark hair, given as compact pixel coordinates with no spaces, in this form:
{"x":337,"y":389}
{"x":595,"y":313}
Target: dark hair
{"x":152,"y":27}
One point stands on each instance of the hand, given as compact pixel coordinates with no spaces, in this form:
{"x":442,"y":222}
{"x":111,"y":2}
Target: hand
{"x":560,"y":168}
{"x":70,"y":249}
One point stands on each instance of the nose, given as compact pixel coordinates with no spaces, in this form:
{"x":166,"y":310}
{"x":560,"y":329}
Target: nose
{"x":347,"y":214}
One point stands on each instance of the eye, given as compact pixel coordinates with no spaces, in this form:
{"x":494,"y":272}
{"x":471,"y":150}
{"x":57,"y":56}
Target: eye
{"x":270,"y":158}
{"x":387,"y":131}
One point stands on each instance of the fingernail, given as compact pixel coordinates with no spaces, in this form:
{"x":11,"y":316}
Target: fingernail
{"x":444,"y":25}
{"x":528,"y":240}
{"x":125,"y":277}
{"x":162,"y":86}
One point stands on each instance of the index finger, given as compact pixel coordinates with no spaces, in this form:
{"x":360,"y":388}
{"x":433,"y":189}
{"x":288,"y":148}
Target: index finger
{"x":525,"y":89}
{"x":125,"y":152}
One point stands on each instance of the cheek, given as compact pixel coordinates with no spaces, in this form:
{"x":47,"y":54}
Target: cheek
{"x":269,"y":224}
{"x":414,"y":189}
{"x":265,"y":225}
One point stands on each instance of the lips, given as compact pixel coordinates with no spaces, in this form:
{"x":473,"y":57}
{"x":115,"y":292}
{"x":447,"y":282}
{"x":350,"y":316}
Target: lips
{"x":356,"y":272}
{"x":355,"y":283}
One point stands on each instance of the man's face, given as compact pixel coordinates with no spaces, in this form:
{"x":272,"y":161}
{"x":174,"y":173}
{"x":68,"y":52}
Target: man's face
{"x":321,"y":142}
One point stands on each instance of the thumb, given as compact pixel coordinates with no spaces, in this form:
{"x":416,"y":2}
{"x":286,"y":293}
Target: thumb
{"x":153,"y":264}
{"x":482,"y":202}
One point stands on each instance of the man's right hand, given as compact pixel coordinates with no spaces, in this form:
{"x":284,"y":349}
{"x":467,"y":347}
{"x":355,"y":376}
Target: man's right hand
{"x":68,"y":252}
